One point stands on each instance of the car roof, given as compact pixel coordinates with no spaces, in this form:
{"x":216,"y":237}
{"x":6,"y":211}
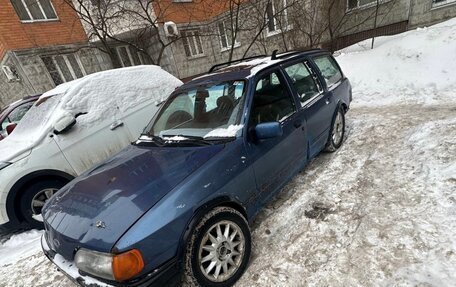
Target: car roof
{"x":247,"y":68}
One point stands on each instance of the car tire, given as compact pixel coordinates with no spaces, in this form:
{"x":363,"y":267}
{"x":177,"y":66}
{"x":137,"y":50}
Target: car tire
{"x":337,"y":132}
{"x":33,"y":199}
{"x":227,"y":254}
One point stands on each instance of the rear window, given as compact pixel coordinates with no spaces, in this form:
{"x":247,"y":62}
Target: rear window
{"x":329,"y":69}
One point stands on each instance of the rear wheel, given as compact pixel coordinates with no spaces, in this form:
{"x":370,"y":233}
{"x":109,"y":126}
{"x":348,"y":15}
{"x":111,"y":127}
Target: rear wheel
{"x":33,"y":199}
{"x":219,"y":249}
{"x":336,"y":136}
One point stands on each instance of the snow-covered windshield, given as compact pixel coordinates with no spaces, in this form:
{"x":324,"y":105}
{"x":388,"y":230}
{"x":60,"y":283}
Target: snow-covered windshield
{"x":37,"y":117}
{"x":207,"y":111}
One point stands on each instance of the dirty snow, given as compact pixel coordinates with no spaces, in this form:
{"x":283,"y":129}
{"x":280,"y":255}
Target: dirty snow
{"x":381,"y":211}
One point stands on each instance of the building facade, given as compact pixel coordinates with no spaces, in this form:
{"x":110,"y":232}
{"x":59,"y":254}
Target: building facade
{"x":44,"y":45}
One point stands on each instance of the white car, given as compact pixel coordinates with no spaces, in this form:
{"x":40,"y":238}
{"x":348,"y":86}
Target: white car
{"x":72,"y":128}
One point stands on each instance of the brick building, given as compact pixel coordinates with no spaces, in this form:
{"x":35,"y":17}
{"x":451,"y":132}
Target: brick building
{"x":42,"y":44}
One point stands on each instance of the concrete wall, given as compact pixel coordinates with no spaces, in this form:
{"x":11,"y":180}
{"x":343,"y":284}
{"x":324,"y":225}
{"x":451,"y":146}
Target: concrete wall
{"x":33,"y":74}
{"x":423,"y":13}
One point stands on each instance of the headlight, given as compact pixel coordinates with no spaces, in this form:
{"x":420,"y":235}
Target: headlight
{"x":118,"y":267}
{"x":4,"y":164}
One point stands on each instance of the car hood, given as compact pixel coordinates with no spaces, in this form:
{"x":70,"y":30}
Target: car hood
{"x":94,"y":210}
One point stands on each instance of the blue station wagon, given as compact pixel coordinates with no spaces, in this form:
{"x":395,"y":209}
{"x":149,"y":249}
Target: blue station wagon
{"x":175,"y":206}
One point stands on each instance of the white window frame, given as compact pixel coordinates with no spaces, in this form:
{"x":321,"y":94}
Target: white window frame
{"x":193,"y":38}
{"x":364,"y":6}
{"x":442,"y":3}
{"x":277,"y":29}
{"x":42,"y":11}
{"x":130,"y":57}
{"x":228,"y":39}
{"x":70,"y":67}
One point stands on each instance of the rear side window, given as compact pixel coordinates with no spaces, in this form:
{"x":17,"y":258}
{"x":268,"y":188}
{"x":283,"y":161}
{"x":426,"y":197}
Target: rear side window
{"x":302,"y":81}
{"x":329,"y":69}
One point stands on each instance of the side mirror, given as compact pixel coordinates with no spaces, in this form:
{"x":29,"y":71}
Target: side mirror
{"x":64,"y":124}
{"x":268,"y":130}
{"x":10,"y":128}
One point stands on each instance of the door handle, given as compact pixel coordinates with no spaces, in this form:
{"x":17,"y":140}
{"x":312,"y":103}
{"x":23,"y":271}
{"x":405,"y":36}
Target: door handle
{"x":327,"y":101}
{"x":297,"y":124}
{"x":115,"y":125}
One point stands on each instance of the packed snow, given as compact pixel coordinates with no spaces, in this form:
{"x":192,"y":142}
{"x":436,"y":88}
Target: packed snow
{"x":381,"y":211}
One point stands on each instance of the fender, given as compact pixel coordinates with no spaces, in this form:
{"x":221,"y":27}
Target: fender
{"x":13,"y":194}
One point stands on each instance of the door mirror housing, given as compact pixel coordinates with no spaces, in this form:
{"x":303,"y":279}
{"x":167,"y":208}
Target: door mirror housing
{"x":268,"y":130}
{"x":64,"y":124}
{"x":10,"y":127}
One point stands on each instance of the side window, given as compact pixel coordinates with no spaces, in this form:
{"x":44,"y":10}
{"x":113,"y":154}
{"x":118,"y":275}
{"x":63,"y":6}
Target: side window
{"x":302,"y":81}
{"x":271,"y":102}
{"x":5,"y":123}
{"x":17,"y":114}
{"x":329,"y":69}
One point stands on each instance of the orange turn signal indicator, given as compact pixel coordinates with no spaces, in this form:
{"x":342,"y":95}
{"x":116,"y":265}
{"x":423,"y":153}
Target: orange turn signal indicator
{"x":127,"y":265}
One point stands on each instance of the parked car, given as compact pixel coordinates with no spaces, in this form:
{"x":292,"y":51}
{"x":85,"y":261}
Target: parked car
{"x":179,"y":200}
{"x":13,"y":113}
{"x":69,"y":130}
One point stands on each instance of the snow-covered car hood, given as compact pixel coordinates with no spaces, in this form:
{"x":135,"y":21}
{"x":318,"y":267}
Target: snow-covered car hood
{"x":96,"y":209}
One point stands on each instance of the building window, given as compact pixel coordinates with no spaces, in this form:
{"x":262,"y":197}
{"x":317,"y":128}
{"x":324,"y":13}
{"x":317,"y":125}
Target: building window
{"x":34,"y":10}
{"x":226,"y":36}
{"x":437,"y":3}
{"x":129,"y":57}
{"x":192,"y":43}
{"x":354,"y":4}
{"x":64,"y":68}
{"x":277,"y":16}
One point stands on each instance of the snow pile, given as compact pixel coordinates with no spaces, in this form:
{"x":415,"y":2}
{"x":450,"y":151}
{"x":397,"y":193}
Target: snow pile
{"x":20,"y":246}
{"x":416,"y":67}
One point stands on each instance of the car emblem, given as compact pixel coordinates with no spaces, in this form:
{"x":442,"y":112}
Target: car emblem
{"x":56,"y":243}
{"x":100,"y":224}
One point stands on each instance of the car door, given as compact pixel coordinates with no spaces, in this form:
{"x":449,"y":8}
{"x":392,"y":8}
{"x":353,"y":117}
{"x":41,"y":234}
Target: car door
{"x":91,"y":142}
{"x":274,"y":160}
{"x":318,"y":108}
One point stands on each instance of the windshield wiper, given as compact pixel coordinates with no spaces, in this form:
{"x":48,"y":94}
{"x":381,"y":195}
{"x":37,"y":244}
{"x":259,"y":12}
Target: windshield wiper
{"x":146,"y":137}
{"x":185,"y":139}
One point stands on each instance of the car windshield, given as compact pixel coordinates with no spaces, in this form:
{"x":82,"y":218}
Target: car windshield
{"x":37,"y":117}
{"x":208,"y":111}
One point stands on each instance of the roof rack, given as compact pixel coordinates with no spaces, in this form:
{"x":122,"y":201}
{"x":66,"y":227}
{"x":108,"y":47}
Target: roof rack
{"x":273,"y":57}
{"x":290,"y":53}
{"x":215,"y":67}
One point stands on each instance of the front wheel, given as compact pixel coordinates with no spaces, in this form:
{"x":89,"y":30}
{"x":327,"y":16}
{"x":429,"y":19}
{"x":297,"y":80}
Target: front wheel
{"x":33,"y":199}
{"x":336,"y":136}
{"x":218,"y":250}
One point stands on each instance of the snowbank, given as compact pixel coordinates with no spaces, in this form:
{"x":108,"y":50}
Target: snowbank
{"x":415,"y":67}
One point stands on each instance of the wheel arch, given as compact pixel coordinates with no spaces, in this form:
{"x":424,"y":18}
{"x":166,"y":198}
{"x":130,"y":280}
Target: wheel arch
{"x":222,"y":201}
{"x":15,"y":192}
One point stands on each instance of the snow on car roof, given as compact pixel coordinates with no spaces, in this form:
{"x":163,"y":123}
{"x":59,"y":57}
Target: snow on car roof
{"x":97,"y":96}
{"x":100,"y":94}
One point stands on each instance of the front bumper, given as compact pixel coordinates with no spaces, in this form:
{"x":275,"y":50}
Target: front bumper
{"x":165,"y":275}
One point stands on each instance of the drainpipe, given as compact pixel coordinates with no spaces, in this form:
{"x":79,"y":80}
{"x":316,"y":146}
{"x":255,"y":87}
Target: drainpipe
{"x":409,"y":13}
